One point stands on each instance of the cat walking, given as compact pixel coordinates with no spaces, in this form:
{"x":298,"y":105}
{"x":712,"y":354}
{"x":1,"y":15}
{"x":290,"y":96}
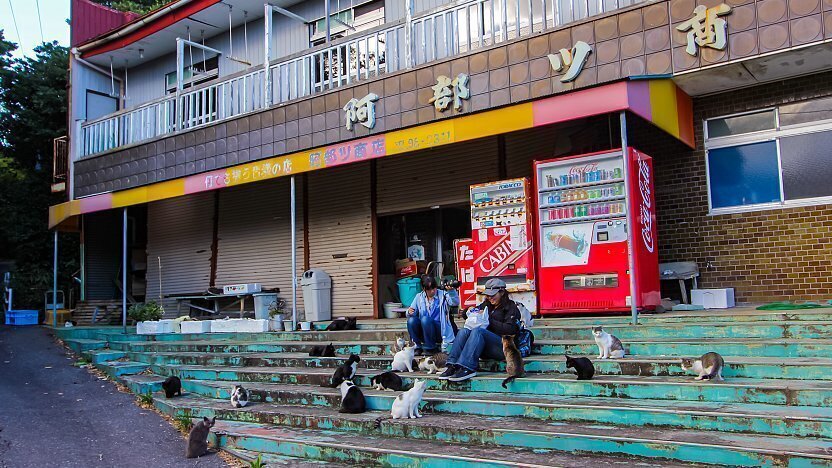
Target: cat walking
{"x":708,"y":367}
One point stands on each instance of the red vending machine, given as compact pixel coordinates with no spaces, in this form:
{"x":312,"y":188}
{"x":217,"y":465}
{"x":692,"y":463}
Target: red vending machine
{"x":582,"y":233}
{"x":464,"y":249}
{"x":501,"y":227}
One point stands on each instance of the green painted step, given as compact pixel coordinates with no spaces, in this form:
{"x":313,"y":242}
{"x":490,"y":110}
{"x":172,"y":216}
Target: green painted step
{"x":709,"y":416}
{"x":270,"y":459}
{"x":344,"y":447}
{"x":118,"y":368}
{"x":736,"y":366}
{"x":103,"y":355}
{"x":680,"y":445}
{"x":79,"y":345}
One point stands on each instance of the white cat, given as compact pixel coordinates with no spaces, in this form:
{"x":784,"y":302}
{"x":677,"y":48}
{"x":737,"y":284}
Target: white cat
{"x":398,"y":345}
{"x":403,"y":360}
{"x":608,"y":345}
{"x":239,"y":397}
{"x":406,"y":405}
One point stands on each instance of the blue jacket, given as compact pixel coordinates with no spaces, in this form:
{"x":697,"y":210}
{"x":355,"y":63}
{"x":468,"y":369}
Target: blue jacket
{"x":445,"y":300}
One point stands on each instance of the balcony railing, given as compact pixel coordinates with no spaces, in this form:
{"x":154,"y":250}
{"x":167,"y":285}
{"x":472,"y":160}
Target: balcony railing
{"x":453,"y":30}
{"x":60,"y":160}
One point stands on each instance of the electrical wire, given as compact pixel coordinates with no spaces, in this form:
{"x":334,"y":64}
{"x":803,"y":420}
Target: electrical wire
{"x":14,"y":18}
{"x":40,"y":22}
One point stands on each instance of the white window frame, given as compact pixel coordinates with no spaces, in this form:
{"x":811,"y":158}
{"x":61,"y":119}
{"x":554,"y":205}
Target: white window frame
{"x":759,"y":137}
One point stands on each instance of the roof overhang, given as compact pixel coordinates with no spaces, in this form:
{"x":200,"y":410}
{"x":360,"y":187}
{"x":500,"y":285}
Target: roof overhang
{"x":658,"y":101}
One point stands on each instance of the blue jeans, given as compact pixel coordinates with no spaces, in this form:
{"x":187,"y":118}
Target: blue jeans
{"x":469,"y":345}
{"x":425,"y":332}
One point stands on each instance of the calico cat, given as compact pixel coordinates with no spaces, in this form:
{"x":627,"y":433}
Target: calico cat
{"x":322,"y":351}
{"x":172,"y":386}
{"x":434,"y":364}
{"x":399,"y":344}
{"x":403,"y":360}
{"x":608,"y":345}
{"x":352,"y":400}
{"x":709,"y":366}
{"x":514,"y":361}
{"x":198,"y":438}
{"x":387,"y":381}
{"x":239,"y":397}
{"x":342,"y":323}
{"x":583,"y":367}
{"x":345,"y":371}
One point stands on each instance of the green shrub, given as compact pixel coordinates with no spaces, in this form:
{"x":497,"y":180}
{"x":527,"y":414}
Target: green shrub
{"x":145,"y":311}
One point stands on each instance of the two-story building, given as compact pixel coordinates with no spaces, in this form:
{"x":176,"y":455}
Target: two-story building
{"x":212,"y":127}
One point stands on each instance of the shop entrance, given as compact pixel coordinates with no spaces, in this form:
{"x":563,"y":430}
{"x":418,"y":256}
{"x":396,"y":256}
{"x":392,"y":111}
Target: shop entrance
{"x":434,"y":230}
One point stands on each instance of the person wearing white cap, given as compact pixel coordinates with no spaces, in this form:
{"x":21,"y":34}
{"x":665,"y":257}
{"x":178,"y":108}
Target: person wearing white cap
{"x":471,"y":344}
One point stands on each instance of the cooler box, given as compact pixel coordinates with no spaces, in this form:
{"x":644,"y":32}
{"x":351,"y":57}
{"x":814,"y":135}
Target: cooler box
{"x":713,"y":298}
{"x":196,"y":326}
{"x":317,"y":295}
{"x":408,"y":289}
{"x":21,"y":317}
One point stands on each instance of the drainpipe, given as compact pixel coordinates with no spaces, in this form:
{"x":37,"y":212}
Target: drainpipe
{"x":55,"y":282}
{"x":124,"y":271}
{"x":294,"y":254}
{"x":408,"y":35}
{"x":326,"y":14}
{"x":631,"y":264}
{"x":267,"y":55}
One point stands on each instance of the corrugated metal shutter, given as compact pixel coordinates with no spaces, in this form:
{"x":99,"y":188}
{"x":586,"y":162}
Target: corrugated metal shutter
{"x":179,"y":231}
{"x":102,"y":254}
{"x":440,"y":176}
{"x":340,"y":236}
{"x":255,"y":236}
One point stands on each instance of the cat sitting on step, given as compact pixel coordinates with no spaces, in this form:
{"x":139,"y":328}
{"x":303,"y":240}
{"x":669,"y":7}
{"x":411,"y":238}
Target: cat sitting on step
{"x":172,"y":386}
{"x":608,"y":345}
{"x":387,"y":381}
{"x":322,"y":351}
{"x":583,"y":367}
{"x":514,"y":361}
{"x":342,"y":323}
{"x":434,"y":364}
{"x":403,"y":360}
{"x":239,"y":397}
{"x":399,"y":344}
{"x":708,"y":367}
{"x":352,"y":400}
{"x":345,"y":371}
{"x":198,"y":438}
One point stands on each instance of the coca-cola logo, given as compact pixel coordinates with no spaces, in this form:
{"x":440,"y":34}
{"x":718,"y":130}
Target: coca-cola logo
{"x":577,"y":170}
{"x":499,"y":253}
{"x":646,"y":213}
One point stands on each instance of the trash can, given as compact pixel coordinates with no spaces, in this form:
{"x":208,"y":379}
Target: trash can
{"x":408,"y":289}
{"x":262,"y":302}
{"x":317,"y":295}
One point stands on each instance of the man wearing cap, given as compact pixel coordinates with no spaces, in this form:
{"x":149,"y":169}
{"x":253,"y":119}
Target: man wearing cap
{"x":471,"y":344}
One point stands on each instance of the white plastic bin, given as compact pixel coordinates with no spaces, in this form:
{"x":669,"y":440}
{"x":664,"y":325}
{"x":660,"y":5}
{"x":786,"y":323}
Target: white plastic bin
{"x":317,"y":295}
{"x":196,"y":326}
{"x":713,"y":298}
{"x":240,"y":326}
{"x":262,"y":302}
{"x":153,"y":327}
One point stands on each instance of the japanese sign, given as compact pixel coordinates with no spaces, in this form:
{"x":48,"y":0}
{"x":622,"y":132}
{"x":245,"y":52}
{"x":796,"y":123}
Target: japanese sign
{"x":706,"y":28}
{"x":572,"y":60}
{"x":353,"y":151}
{"x":361,"y":111}
{"x":446,"y":90}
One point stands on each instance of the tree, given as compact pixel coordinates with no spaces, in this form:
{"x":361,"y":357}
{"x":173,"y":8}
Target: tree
{"x":32,"y":112}
{"x":136,"y":6}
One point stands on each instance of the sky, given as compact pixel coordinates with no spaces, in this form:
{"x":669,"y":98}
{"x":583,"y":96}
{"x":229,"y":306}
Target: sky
{"x":53,"y":15}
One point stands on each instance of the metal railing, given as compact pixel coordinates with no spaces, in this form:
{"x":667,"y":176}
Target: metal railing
{"x":453,"y":30}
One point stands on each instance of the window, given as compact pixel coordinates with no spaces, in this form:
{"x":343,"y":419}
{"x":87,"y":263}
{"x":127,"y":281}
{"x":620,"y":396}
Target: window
{"x":200,"y":72}
{"x":770,"y":158}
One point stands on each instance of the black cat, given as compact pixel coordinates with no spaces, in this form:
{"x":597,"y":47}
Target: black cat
{"x":322,"y":351}
{"x":340,"y":324}
{"x":172,"y":386}
{"x":583,"y":367}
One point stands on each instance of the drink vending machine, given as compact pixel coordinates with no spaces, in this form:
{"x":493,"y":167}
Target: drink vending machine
{"x":464,"y":249}
{"x":582,"y":233}
{"x":501,"y":227}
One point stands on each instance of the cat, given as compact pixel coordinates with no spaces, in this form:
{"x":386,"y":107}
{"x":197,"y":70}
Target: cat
{"x":352,"y":400}
{"x":583,"y":367}
{"x":514,"y":361}
{"x":434,"y":364}
{"x":345,"y":371}
{"x":342,"y":323}
{"x":239,"y":397}
{"x":709,"y":366}
{"x":322,"y":351}
{"x":70,"y":323}
{"x":172,"y":386}
{"x":403,"y":360}
{"x":387,"y":381}
{"x":198,"y":438}
{"x":406,"y":405}
{"x":399,"y":344}
{"x":608,"y":345}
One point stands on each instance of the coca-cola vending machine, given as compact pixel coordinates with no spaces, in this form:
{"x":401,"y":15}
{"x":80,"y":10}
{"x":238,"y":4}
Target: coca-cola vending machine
{"x":501,"y":227}
{"x":582,"y":233}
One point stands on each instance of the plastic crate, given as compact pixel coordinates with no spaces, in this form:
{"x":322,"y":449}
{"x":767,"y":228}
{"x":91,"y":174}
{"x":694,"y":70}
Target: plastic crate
{"x":21,"y":317}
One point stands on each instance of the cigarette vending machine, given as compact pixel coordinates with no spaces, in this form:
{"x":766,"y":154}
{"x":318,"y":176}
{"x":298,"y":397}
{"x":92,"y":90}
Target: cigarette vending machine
{"x":501,"y":227}
{"x":464,"y":249}
{"x":582,"y":233}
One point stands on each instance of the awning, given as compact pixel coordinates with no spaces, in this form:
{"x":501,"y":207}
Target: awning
{"x":658,"y":101}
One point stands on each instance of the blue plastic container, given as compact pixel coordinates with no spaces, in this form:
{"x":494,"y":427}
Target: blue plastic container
{"x":21,"y":317}
{"x":408,"y":289}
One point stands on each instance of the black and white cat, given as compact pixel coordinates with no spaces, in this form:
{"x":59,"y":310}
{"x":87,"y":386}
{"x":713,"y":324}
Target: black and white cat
{"x":352,"y":400}
{"x":322,"y":351}
{"x":342,"y":323}
{"x":708,"y":367}
{"x":583,"y":367}
{"x":239,"y":397}
{"x":608,"y":345}
{"x":345,"y":371}
{"x":172,"y":386}
{"x":198,"y":438}
{"x":387,"y":381}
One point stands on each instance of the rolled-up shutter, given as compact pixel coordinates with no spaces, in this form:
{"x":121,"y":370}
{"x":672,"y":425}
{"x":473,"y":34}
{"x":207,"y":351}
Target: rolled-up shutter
{"x":102,"y":254}
{"x":341,"y":237}
{"x":254,"y":235}
{"x":440,"y":176}
{"x":179,"y":233}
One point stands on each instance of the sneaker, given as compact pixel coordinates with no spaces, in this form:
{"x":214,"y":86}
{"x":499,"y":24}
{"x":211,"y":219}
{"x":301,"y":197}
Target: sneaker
{"x":449,"y":372}
{"x":462,"y":374}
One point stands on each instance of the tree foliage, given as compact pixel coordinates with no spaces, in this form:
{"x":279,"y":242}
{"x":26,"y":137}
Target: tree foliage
{"x":136,"y":6}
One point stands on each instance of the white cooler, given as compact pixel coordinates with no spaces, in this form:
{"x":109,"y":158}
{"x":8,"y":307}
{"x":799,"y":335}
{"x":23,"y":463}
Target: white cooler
{"x":713,"y":298}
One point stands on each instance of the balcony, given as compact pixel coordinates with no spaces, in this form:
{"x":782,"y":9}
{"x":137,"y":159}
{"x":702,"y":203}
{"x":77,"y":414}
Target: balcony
{"x":60,"y":160}
{"x":437,"y":35}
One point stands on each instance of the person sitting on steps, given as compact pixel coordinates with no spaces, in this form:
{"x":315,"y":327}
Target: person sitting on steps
{"x":427,"y":318}
{"x":503,"y":319}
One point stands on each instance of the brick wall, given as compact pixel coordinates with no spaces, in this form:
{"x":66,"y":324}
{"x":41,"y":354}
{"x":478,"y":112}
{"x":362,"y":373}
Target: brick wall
{"x":767,"y":255}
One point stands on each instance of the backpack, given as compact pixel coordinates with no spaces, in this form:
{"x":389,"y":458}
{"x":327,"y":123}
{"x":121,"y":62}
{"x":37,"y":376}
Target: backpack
{"x":525,"y":341}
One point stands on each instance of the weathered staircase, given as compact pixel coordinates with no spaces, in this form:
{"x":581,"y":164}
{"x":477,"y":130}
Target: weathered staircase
{"x":773,"y":409}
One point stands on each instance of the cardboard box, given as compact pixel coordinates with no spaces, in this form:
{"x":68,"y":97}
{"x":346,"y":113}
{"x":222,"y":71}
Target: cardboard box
{"x":405,"y":268}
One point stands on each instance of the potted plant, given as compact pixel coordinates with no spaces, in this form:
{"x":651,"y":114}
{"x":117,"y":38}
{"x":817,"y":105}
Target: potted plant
{"x":276,"y":314}
{"x":147,"y":316}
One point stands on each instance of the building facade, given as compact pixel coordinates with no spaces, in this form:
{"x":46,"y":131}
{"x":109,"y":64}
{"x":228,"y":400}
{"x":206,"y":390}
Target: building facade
{"x":204,"y":133}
